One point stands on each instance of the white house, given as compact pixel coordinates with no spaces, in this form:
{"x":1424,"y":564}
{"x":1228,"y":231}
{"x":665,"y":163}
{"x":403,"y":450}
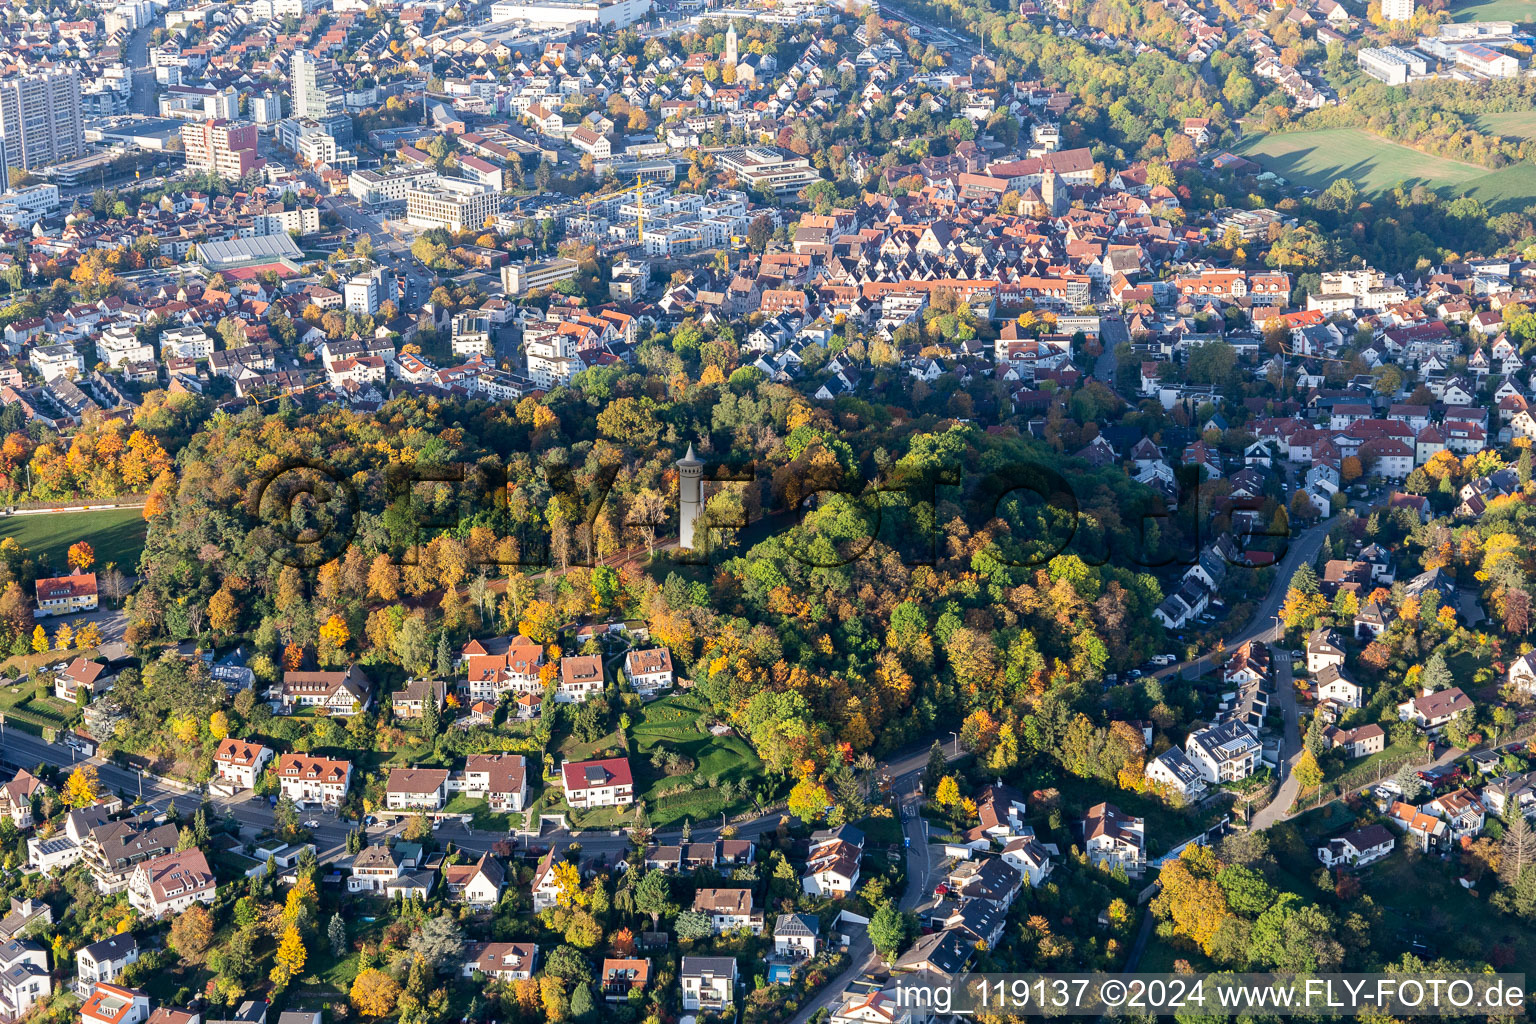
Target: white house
{"x":170,"y":884}
{"x":796,"y":935}
{"x":1358,"y":848}
{"x":728,"y":910}
{"x":240,"y":762}
{"x":501,"y":780}
{"x":478,"y":884}
{"x":24,"y":978}
{"x":1112,"y":837}
{"x":1324,"y":648}
{"x":709,"y":982}
{"x":416,"y":789}
{"x":305,"y":779}
{"x":1432,"y":709}
{"x":1223,"y":752}
{"x":113,"y":1004}
{"x":1334,"y":685}
{"x":503,"y":961}
{"x":603,"y":783}
{"x":103,"y":961}
{"x":649,"y":672}
{"x":1177,"y":773}
{"x":832,"y":866}
{"x":1522,"y":673}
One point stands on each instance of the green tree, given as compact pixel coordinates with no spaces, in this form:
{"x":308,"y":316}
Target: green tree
{"x":889,"y":929}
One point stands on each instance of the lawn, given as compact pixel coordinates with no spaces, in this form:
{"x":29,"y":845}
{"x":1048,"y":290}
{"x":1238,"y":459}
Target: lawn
{"x":1494,"y":10}
{"x":22,"y":707}
{"x":116,"y":534}
{"x":674,"y":723}
{"x":1318,"y":158}
{"x":1519,"y":124}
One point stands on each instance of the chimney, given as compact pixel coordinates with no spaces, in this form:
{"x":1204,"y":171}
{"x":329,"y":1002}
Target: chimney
{"x":1428,"y":690}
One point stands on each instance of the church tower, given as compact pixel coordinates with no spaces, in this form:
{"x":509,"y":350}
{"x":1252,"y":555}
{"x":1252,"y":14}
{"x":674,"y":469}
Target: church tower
{"x":690,"y":492}
{"x":1057,"y":196}
{"x":730,"y":45}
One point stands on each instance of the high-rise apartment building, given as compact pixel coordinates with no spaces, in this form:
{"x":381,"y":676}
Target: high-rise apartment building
{"x":40,"y":118}
{"x":227,"y":148}
{"x":1397,"y":10}
{"x":315,"y":93}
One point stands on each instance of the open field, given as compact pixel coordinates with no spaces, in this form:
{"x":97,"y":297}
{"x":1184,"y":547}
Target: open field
{"x":1520,"y":124}
{"x":116,"y":534}
{"x":1494,"y":10}
{"x":1318,"y":158}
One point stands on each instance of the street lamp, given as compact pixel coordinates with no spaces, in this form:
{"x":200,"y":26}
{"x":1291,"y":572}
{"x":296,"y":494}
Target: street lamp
{"x":956,"y":735}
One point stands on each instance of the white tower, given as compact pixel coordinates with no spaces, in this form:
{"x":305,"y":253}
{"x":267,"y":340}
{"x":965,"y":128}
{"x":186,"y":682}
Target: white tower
{"x":730,"y":45}
{"x":690,"y":488}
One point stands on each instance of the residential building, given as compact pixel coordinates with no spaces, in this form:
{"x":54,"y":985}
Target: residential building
{"x":1324,"y":648}
{"x":478,"y":884}
{"x":171,"y":883}
{"x":1223,"y":752}
{"x":1359,"y":742}
{"x":1358,"y":848}
{"x":649,"y":672}
{"x":90,"y":676}
{"x":340,"y":693}
{"x":113,"y":1004}
{"x":709,"y":982}
{"x":1173,"y":770}
{"x":1112,"y":837}
{"x":503,"y":961}
{"x":728,"y":910}
{"x":416,"y":789}
{"x":16,"y":798}
{"x":1432,"y":709}
{"x":240,"y":762}
{"x":453,"y":203}
{"x":833,"y":863}
{"x":621,"y":976}
{"x":225,"y":148}
{"x":24,"y":978}
{"x":103,"y":961}
{"x":581,"y":677}
{"x":66,"y":595}
{"x":499,"y":779}
{"x":603,"y":783}
{"x":40,"y":118}
{"x":306,"y":779}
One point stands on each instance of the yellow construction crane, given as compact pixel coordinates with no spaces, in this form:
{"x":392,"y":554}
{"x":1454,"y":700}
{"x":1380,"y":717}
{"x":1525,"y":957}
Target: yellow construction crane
{"x":639,"y":189}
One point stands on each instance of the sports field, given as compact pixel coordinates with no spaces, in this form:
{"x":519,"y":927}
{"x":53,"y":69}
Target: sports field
{"x":1318,"y":158}
{"x":116,"y":535}
{"x":1494,"y":10}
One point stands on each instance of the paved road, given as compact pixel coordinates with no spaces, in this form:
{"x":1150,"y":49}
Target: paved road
{"x":1290,"y":747}
{"x":20,"y":749}
{"x":921,"y":864}
{"x":137,"y":54}
{"x":1303,"y":548}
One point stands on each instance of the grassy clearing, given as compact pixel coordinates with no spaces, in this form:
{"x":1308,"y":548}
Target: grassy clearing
{"x":116,"y":534}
